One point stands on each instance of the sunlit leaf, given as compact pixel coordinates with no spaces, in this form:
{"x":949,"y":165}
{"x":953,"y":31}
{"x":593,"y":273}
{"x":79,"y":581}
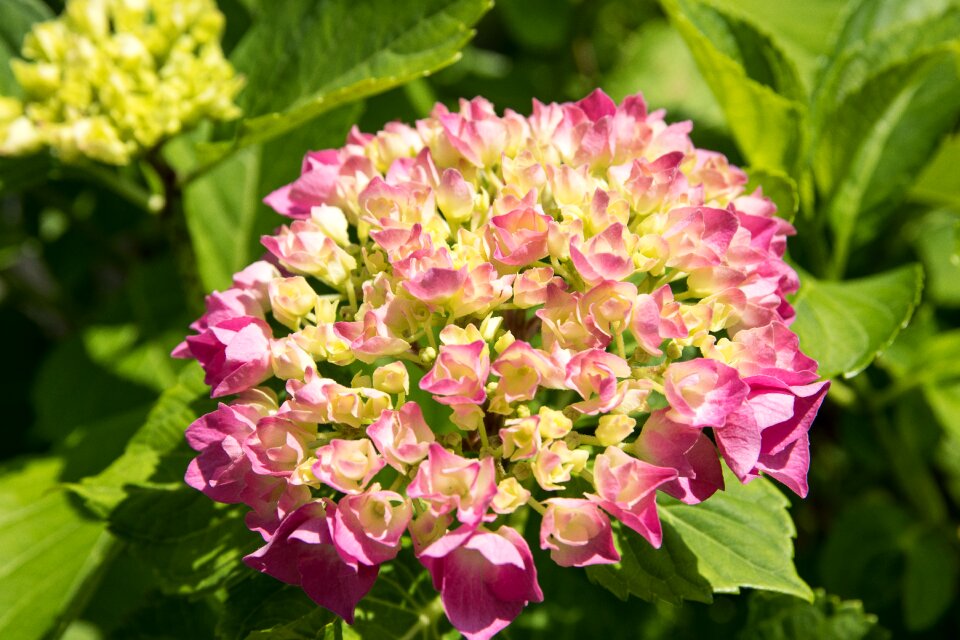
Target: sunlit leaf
{"x":844,"y":325}
{"x":755,"y":84}
{"x":48,"y":549}
{"x":741,"y":537}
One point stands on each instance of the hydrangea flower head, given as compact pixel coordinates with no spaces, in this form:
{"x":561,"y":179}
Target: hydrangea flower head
{"x":588,"y":310}
{"x":109,"y":79}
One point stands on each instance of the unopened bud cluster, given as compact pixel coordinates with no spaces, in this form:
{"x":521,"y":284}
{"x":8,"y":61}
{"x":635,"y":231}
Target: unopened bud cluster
{"x":482,"y":314}
{"x":109,"y":79}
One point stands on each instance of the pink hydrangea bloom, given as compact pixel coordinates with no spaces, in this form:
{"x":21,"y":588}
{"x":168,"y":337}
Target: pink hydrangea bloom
{"x":510,"y":302}
{"x":449,"y":482}
{"x":234,"y":354}
{"x":302,"y":552}
{"x":577,"y":533}
{"x":485,"y":579}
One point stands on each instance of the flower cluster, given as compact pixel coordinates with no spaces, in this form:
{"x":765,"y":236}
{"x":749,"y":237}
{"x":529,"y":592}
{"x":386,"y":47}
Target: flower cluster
{"x":110,"y":78}
{"x":568,"y":312}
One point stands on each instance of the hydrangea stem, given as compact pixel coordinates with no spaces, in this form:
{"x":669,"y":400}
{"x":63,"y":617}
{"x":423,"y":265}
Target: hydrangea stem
{"x":426,"y":619}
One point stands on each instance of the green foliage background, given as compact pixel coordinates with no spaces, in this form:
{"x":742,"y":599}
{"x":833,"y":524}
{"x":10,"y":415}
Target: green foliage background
{"x":845,"y":111}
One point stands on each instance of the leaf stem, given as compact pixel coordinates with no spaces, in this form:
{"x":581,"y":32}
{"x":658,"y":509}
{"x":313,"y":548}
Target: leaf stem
{"x":152,"y":203}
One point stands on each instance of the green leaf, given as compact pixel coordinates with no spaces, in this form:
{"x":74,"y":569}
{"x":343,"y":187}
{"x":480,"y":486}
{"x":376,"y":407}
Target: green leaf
{"x":929,"y":580}
{"x":845,"y":325}
{"x":192,"y":544}
{"x":741,"y":537}
{"x":861,"y":556}
{"x":801,"y":29}
{"x":853,"y":67}
{"x":777,"y":186}
{"x":48,"y":550}
{"x":870,"y":19}
{"x":944,"y":399}
{"x":755,"y":84}
{"x":16,"y":18}
{"x":937,"y":241}
{"x":874,"y":144}
{"x":224,"y":209}
{"x":537,"y":24}
{"x":259,"y":603}
{"x":669,"y":573}
{"x":121,"y":350}
{"x":937,"y":184}
{"x":312,"y":71}
{"x":153,"y":444}
{"x":220,"y":211}
{"x":773,"y":616}
{"x":643,"y":56}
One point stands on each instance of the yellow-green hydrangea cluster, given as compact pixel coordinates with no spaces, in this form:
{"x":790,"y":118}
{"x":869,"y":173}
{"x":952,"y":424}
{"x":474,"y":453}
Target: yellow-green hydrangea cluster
{"x":109,"y":79}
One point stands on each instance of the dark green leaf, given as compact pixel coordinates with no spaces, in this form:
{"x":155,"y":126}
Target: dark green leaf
{"x":844,"y":325}
{"x":861,"y":557}
{"x":755,"y":84}
{"x":261,"y":603}
{"x":929,"y":580}
{"x":741,"y":537}
{"x":160,"y":436}
{"x":191,"y":543}
{"x":774,"y":616}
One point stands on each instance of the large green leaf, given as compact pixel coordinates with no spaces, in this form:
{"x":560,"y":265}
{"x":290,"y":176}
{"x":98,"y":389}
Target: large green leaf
{"x":874,"y":144}
{"x":224,"y":209}
{"x":869,"y":19}
{"x":741,"y":537}
{"x":937,"y":184}
{"x":261,"y":603}
{"x":325,"y":54}
{"x":191,"y":543}
{"x":48,"y":550}
{"x":755,"y":84}
{"x":852,"y":68}
{"x":156,"y":442}
{"x":801,"y":29}
{"x":845,"y":325}
{"x":937,"y":241}
{"x":221,"y":209}
{"x":669,"y":573}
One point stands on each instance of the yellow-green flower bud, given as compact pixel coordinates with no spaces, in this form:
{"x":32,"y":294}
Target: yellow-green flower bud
{"x":110,"y":79}
{"x":291,"y":299}
{"x":614,"y":428}
{"x":392,"y":378}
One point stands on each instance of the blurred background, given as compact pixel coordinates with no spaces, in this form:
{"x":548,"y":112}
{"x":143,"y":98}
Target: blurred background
{"x":92,"y":300}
